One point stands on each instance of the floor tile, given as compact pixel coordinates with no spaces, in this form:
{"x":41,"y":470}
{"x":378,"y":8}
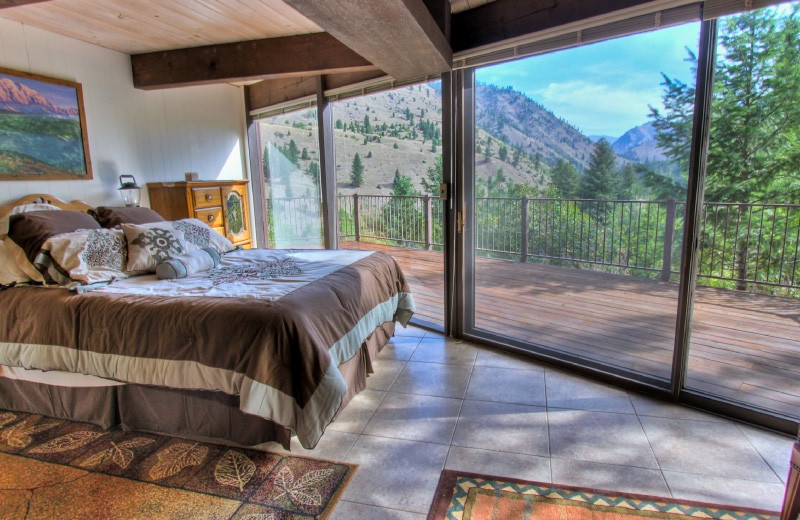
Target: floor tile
{"x":358,"y":412}
{"x":411,"y":330}
{"x":401,"y":347}
{"x":351,"y":510}
{"x":610,"y":438}
{"x":494,"y":358}
{"x":415,"y":417}
{"x":432,"y":379}
{"x":499,"y":464}
{"x":503,"y":427}
{"x":332,"y":445}
{"x":650,"y":406}
{"x":727,"y":491}
{"x":395,"y":473}
{"x":507,"y":386}
{"x":706,"y":448}
{"x":386,"y":371}
{"x":611,"y":477}
{"x":445,"y":350}
{"x":776,"y":449}
{"x":578,"y":393}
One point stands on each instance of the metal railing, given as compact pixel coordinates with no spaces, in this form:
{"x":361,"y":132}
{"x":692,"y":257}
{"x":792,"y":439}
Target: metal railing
{"x":747,"y":244}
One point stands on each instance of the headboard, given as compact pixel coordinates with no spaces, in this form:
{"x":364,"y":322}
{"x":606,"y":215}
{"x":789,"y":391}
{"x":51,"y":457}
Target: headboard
{"x":41,"y":198}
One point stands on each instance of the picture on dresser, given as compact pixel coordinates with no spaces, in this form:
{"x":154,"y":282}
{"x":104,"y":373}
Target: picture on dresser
{"x":42,"y":128}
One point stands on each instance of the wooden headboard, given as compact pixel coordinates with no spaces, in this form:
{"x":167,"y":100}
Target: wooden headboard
{"x":42,"y":198}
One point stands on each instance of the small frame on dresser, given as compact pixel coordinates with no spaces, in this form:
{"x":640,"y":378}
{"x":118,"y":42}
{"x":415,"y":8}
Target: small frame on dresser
{"x":43,"y":123}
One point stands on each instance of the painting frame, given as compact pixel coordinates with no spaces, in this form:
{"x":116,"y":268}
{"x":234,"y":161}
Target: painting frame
{"x":69,"y":87}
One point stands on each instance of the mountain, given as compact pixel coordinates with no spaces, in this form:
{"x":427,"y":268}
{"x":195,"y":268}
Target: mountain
{"x":609,"y":138}
{"x":517,"y":119}
{"x":639,"y":144}
{"x":19,"y":98}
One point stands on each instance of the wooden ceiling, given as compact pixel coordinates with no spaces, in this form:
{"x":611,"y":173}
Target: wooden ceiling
{"x":137,"y":26}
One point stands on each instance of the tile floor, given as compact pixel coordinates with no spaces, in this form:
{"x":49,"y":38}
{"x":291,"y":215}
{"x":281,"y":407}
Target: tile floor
{"x":438,"y":403}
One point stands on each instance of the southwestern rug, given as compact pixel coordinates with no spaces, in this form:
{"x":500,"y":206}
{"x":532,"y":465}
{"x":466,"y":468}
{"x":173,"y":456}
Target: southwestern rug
{"x":52,"y":468}
{"x":471,"y":496}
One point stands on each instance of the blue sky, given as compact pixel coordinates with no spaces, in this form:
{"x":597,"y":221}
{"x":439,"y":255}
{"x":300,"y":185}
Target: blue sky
{"x":603,"y":88}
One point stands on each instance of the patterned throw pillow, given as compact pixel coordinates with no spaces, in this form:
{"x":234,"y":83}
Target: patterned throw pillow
{"x":151,"y":244}
{"x":83,"y":257}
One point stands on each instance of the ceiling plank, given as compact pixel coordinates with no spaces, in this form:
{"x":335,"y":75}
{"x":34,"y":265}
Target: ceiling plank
{"x":288,"y":56}
{"x":15,"y":3}
{"x":504,"y":19}
{"x":400,"y":37}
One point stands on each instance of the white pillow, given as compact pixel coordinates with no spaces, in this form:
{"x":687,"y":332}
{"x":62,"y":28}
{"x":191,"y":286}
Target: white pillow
{"x":10,"y":273}
{"x":83,"y":257}
{"x":25,"y":208}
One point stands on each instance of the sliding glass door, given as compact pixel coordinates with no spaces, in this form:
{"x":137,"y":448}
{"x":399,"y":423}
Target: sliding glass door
{"x":579,"y":199}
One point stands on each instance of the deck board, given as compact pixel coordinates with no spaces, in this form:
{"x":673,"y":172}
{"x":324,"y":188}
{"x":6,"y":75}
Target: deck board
{"x":744,"y":346}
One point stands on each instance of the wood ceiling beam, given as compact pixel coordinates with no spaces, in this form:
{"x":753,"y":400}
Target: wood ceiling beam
{"x":275,"y":91}
{"x":284,"y":57}
{"x":14,"y":3}
{"x":504,"y":19}
{"x":400,"y":37}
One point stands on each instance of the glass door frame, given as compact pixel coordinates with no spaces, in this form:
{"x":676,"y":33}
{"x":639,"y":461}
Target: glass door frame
{"x":462,"y":290}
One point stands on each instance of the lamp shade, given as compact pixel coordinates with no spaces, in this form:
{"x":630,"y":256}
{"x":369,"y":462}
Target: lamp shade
{"x":130,"y":191}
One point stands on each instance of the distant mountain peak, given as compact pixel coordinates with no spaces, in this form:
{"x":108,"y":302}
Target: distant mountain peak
{"x":17,"y":97}
{"x":640,"y":143}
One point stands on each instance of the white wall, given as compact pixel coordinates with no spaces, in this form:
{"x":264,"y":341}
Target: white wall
{"x":153,"y":135}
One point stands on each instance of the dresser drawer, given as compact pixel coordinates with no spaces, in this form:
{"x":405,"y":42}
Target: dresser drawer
{"x":212,"y":217}
{"x":220,"y":230}
{"x":206,"y":198}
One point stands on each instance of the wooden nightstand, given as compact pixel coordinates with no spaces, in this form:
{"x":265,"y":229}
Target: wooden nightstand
{"x":220,"y":204}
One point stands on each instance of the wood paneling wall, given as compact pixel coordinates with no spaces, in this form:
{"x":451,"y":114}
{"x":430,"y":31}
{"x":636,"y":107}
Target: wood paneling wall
{"x":156,"y":136}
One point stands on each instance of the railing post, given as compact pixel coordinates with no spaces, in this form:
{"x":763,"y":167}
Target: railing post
{"x":356,"y":219}
{"x":524,"y":219}
{"x":669,"y":236}
{"x":428,"y":222}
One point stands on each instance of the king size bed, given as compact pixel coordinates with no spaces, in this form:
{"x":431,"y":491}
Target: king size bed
{"x":267,"y":344}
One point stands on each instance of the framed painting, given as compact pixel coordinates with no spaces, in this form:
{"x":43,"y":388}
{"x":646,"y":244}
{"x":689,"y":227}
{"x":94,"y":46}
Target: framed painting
{"x":42,"y":128}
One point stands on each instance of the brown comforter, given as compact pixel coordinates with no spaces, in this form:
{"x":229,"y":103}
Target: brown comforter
{"x":269,"y":326}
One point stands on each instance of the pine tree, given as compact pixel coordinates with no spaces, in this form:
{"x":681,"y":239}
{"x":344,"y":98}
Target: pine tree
{"x":369,"y":154}
{"x":395,"y":146}
{"x":488,"y":152}
{"x":433,"y":177}
{"x":367,"y":125}
{"x":293,"y":153}
{"x":265,"y":163}
{"x":600,"y":180}
{"x":502,"y":153}
{"x":628,"y":182}
{"x":357,"y":172}
{"x":515,"y":160}
{"x":339,"y":124}
{"x":304,"y":155}
{"x":313,"y":172}
{"x":566,"y":179}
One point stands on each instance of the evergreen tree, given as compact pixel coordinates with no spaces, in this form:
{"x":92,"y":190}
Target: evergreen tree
{"x":600,"y":180}
{"x":304,"y":155}
{"x":367,"y":125}
{"x":433,"y":177}
{"x":628,"y":182}
{"x":395,"y":146}
{"x":488,"y":152}
{"x":502,"y":153}
{"x":339,"y":124}
{"x":357,"y":172}
{"x":313,"y":172}
{"x":566,"y":179}
{"x":369,"y":154}
{"x":515,"y":160}
{"x":265,"y":163}
{"x":293,"y":153}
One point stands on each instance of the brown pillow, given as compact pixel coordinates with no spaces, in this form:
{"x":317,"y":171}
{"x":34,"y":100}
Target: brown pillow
{"x":31,"y":230}
{"x":109,"y":217}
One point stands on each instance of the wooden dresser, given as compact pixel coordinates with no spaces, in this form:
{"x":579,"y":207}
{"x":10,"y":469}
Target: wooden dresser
{"x":220,"y":204}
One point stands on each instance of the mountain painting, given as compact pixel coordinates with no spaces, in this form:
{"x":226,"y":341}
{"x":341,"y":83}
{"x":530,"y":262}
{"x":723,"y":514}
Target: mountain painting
{"x":42,"y":128}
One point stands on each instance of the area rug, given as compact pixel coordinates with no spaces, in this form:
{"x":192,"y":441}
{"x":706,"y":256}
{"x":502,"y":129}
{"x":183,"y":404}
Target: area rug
{"x":51,"y":468}
{"x":470,"y":496}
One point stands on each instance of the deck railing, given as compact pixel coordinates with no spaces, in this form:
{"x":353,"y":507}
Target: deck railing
{"x":755,"y":244}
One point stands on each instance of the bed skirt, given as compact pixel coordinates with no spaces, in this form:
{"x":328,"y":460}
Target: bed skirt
{"x":196,"y":414}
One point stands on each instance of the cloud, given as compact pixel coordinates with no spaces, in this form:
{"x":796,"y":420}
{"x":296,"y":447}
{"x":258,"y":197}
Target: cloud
{"x":598,"y":108}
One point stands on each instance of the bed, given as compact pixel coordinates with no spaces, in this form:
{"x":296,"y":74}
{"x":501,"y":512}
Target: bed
{"x":268,"y":344}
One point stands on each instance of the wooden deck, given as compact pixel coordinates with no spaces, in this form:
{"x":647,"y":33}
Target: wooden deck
{"x":744,"y":346}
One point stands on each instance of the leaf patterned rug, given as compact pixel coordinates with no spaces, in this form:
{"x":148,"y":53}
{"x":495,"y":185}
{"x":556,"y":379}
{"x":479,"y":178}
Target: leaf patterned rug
{"x":52,"y":468}
{"x":471,"y":496}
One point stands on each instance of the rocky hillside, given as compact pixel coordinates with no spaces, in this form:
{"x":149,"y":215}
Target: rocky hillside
{"x":19,"y":98}
{"x":639,"y":144}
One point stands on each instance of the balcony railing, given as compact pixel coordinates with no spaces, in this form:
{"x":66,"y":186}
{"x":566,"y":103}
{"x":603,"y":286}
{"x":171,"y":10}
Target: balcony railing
{"x":742,"y":244}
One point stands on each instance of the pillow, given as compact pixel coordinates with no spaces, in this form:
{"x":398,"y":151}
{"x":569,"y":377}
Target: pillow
{"x":25,"y":208}
{"x":188,"y":264}
{"x":30,"y":230}
{"x":151,"y":244}
{"x":83,"y":257}
{"x":109,"y":217}
{"x":10,"y":273}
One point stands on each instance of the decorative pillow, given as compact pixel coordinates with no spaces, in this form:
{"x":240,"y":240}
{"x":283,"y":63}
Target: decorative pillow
{"x":109,"y":217}
{"x":27,"y":232}
{"x":188,"y":264}
{"x":84,"y":257}
{"x":151,"y":244}
{"x":10,"y":273}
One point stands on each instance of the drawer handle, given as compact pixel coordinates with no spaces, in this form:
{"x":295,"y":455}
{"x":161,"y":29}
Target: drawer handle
{"x":211,"y":217}
{"x":209,"y":197}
